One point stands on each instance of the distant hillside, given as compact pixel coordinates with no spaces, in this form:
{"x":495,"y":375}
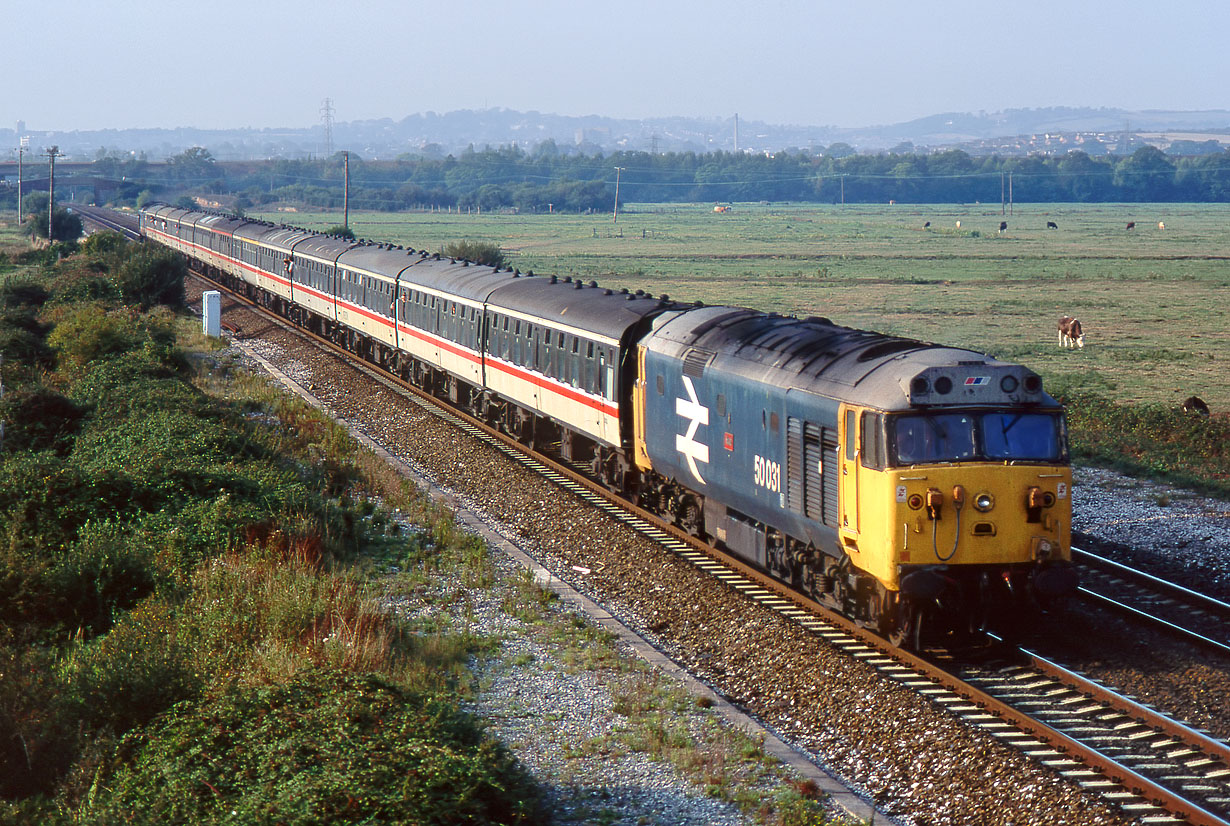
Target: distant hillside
{"x":436,"y":135}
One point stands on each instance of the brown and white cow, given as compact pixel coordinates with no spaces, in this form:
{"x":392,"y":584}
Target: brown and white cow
{"x":1070,"y":333}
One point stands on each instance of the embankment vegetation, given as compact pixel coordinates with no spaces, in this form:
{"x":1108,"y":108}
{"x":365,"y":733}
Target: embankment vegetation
{"x":186,"y":631}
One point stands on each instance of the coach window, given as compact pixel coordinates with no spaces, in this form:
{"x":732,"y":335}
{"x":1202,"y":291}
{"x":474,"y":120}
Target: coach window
{"x":575,"y":370}
{"x":587,"y":366}
{"x":873,"y":441}
{"x":608,"y":374}
{"x":549,"y":364}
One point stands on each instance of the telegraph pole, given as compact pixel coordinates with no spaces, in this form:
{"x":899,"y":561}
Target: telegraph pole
{"x":51,"y":189}
{"x":21,"y":148}
{"x":346,"y":196}
{"x":618,"y":169}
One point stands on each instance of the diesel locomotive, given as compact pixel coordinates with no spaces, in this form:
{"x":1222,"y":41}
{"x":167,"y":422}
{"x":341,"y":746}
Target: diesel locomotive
{"x":922,"y":490}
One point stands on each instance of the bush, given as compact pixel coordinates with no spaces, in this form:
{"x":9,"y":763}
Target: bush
{"x":478,"y":252}
{"x":99,"y":578}
{"x":45,"y":499}
{"x":66,"y":226}
{"x":153,"y":276}
{"x":39,"y":419}
{"x":325,"y":748}
{"x":102,"y":244}
{"x":341,"y":231}
{"x":83,"y":288}
{"x":38,"y":740}
{"x":24,"y":340}
{"x":90,"y":333}
{"x":22,"y":292}
{"x":135,"y":673}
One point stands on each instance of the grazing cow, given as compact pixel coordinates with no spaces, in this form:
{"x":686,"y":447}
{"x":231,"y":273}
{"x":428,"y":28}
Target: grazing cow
{"x":958,"y":224}
{"x":1070,"y":333}
{"x":1052,"y":225}
{"x":1131,"y":225}
{"x":1161,"y":224}
{"x":1003,"y":225}
{"x":1195,"y":404}
{"x":927,"y":225}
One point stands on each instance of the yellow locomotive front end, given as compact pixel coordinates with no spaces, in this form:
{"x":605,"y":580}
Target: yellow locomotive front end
{"x":961,"y":511}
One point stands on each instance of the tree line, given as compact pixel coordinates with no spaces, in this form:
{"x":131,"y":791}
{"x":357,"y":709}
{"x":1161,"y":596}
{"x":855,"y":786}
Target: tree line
{"x":549,"y":179}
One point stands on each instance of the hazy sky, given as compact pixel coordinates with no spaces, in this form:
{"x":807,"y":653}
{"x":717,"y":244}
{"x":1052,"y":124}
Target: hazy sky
{"x":73,"y":64}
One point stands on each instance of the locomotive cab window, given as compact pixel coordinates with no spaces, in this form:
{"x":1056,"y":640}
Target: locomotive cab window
{"x":873,"y":455}
{"x":1013,"y":435}
{"x":851,"y":431}
{"x":999,"y":436}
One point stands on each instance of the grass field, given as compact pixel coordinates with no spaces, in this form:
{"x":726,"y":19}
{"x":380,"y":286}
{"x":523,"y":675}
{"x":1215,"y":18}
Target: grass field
{"x":1155,"y":302}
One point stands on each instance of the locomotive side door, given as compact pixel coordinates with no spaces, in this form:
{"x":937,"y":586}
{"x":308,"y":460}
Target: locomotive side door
{"x":848,"y":455}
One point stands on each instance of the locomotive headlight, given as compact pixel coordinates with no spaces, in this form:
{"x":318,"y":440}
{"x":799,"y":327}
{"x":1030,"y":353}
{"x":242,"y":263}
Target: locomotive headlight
{"x":984,"y":502}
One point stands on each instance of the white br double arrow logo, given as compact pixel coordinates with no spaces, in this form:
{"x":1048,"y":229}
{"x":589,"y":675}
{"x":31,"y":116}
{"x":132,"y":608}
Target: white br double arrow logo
{"x":696,"y":414}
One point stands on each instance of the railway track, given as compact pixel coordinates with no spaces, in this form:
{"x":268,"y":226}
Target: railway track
{"x":1149,"y":765}
{"x":1196,"y":617}
{"x":123,"y":223}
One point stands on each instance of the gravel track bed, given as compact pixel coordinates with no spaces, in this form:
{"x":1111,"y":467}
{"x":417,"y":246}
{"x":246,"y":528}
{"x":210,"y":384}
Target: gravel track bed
{"x":917,"y":761}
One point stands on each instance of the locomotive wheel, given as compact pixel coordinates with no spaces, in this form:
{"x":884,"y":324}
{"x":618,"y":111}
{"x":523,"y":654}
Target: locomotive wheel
{"x":690,"y":517}
{"x":906,"y":630}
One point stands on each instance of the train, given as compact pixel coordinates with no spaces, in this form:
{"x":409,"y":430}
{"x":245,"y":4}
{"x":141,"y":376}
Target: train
{"x":922,"y":490}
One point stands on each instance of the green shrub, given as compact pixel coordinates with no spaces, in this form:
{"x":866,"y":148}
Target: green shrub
{"x":327,"y":747}
{"x":23,"y":340}
{"x":85,"y":287}
{"x":91,"y":332}
{"x":45,"y":499}
{"x":98,"y":578}
{"x":479,"y":252}
{"x":39,"y":418}
{"x":22,"y":292}
{"x":38,"y":739}
{"x":131,"y":675}
{"x":153,"y":276}
{"x":132,"y":384}
{"x":65,"y":226}
{"x":103,"y":244}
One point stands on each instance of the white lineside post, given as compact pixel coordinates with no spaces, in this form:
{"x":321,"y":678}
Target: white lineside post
{"x":211,"y":313}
